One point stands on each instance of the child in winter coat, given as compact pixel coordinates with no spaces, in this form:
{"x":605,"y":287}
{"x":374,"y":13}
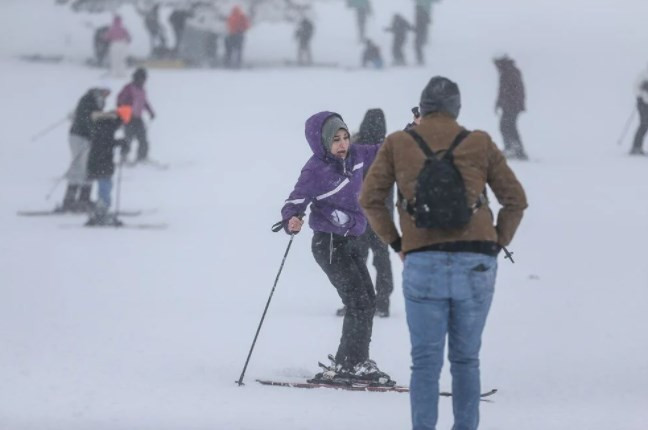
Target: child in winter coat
{"x":101,"y":164}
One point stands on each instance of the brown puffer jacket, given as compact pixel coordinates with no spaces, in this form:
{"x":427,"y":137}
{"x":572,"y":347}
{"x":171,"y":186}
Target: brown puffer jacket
{"x":479,"y":161}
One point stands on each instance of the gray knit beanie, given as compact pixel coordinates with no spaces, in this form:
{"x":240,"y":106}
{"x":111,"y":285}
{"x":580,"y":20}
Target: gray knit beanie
{"x":330,"y":127}
{"x":440,"y":95}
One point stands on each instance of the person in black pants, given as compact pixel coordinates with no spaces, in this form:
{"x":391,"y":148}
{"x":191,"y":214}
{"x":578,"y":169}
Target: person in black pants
{"x":641,"y":90}
{"x":372,"y":132}
{"x":511,"y":102}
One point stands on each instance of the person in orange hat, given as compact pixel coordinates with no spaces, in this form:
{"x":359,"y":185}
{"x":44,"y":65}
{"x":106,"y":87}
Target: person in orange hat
{"x":101,"y":164}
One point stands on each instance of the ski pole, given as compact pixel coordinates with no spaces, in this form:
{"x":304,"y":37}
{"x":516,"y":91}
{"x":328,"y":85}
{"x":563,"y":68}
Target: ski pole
{"x":118,"y":190}
{"x":63,"y":176}
{"x":247,"y":361}
{"x":627,"y":127}
{"x":46,"y":130}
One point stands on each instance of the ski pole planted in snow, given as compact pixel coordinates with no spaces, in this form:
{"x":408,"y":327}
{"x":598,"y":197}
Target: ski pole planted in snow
{"x":247,"y":361}
{"x":627,"y":127}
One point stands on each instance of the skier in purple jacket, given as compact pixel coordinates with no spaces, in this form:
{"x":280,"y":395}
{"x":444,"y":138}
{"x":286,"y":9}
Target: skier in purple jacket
{"x":330,"y":182}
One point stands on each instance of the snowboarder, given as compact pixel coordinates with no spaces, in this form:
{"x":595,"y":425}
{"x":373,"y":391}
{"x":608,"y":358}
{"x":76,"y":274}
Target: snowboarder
{"x":304,"y":34}
{"x":330,"y":183}
{"x":371,"y":55}
{"x":449,"y":274}
{"x":399,"y":27}
{"x":101,"y":165}
{"x":363,"y":10}
{"x":641,"y":90}
{"x":372,"y":131}
{"x":511,"y":101}
{"x":237,"y":24}
{"x":134,"y":95}
{"x":77,"y":194}
{"x":118,"y":38}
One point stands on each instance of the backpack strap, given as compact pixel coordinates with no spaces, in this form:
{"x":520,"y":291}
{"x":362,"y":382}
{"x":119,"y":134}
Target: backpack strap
{"x":426,"y":149}
{"x":460,"y":138}
{"x":421,"y":143}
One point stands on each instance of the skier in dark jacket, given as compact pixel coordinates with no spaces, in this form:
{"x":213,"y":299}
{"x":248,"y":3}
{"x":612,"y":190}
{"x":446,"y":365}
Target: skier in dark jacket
{"x":330,"y":183}
{"x":399,"y":27}
{"x":511,"y":101}
{"x":77,"y":195}
{"x":304,"y":34}
{"x":373,"y":131}
{"x":101,"y":164}
{"x":641,"y":91}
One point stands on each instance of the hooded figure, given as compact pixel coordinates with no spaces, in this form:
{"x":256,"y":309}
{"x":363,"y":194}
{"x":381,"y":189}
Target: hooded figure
{"x":641,"y":91}
{"x":330,"y":183}
{"x":511,"y":102}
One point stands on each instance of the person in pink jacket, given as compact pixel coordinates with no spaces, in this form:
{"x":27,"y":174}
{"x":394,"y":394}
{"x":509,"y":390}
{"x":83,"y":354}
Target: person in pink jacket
{"x":119,"y":39}
{"x":134,"y":95}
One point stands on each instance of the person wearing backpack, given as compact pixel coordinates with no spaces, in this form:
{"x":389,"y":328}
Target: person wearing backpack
{"x":449,"y":244}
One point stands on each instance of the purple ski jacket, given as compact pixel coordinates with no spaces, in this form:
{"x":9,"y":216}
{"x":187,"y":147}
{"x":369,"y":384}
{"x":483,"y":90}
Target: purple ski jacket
{"x":330,"y":185}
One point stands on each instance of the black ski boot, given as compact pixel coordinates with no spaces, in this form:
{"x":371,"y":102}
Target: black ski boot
{"x":84,"y":203}
{"x":368,"y":372}
{"x":69,"y":200}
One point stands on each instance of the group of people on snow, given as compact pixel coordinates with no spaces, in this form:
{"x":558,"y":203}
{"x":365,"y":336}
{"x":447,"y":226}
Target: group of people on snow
{"x":197,"y":31}
{"x":92,"y":139}
{"x":449,"y":270}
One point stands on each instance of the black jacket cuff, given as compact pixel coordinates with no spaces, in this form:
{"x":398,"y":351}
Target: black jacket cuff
{"x":396,"y":245}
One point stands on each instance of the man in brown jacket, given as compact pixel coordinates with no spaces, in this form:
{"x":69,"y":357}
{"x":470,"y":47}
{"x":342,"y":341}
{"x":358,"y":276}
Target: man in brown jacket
{"x":449,"y":275}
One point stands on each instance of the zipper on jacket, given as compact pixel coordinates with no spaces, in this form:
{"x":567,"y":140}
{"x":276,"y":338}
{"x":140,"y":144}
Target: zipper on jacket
{"x":331,"y":249}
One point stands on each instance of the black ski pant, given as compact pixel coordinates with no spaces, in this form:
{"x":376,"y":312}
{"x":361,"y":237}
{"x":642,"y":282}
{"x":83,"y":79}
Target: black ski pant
{"x":384,"y":277}
{"x":397,"y":50}
{"x":344,"y":264}
{"x":643,"y":125}
{"x":234,"y":50}
{"x":510,"y":133}
{"x":136,"y":129}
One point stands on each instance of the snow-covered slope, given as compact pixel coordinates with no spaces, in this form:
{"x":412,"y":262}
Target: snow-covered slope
{"x":138,"y":329}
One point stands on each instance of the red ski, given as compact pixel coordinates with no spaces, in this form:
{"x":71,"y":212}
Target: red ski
{"x":355,"y":387}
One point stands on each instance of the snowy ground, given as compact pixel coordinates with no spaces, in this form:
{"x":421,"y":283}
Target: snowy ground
{"x":147,"y":330}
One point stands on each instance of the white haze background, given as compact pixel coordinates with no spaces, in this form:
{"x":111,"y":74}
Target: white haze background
{"x":147,"y":330}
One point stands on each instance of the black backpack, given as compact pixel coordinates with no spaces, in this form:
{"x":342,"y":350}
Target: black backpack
{"x":440,"y":194}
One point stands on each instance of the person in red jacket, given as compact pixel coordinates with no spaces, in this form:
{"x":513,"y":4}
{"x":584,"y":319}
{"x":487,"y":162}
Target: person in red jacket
{"x":237,"y":24}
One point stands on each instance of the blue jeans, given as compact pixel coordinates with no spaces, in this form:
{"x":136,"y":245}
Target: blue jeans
{"x":104,"y":186}
{"x":447,"y":292}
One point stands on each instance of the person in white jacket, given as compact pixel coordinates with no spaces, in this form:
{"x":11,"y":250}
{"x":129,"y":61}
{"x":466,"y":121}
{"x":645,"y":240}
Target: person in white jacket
{"x":641,"y":90}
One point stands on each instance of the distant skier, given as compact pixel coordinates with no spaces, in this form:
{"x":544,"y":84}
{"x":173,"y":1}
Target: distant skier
{"x":237,"y":25}
{"x":304,"y":35}
{"x":371,"y":55}
{"x":118,"y":38}
{"x":641,"y":90}
{"x":399,"y":28}
{"x":363,"y":10}
{"x":134,"y":95}
{"x":422,"y":21}
{"x":178,"y":19}
{"x":511,"y":101}
{"x":101,"y":165}
{"x":155,"y":30}
{"x":330,"y":183}
{"x":79,"y":189}
{"x":101,"y":45}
